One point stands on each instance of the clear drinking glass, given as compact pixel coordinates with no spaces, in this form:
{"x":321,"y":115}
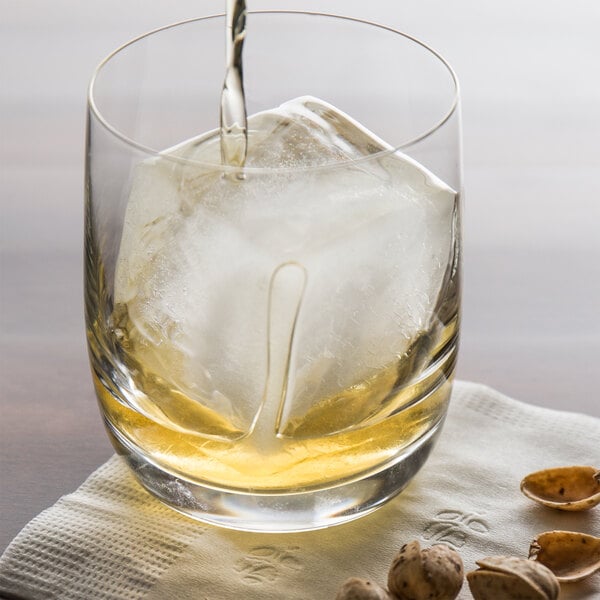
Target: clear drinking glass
{"x":273,"y":346}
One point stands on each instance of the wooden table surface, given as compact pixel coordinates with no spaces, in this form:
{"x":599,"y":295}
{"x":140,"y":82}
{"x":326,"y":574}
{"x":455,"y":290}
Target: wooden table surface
{"x":531,"y":112}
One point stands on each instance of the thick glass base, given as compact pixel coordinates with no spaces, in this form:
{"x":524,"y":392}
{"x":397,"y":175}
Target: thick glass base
{"x":289,"y":512}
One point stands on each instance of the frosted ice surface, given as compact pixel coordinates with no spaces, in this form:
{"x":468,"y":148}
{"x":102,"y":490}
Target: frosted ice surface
{"x":199,"y":257}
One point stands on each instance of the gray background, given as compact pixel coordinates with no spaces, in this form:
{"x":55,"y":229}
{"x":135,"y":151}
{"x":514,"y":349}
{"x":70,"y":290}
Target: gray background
{"x":530,"y":79}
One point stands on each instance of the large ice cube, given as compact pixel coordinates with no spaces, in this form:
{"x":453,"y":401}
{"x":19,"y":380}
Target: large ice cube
{"x":306,"y":273}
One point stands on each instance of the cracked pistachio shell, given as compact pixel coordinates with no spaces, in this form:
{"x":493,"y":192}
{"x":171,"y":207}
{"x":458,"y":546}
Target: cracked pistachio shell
{"x":571,"y":556}
{"x":434,"y":573}
{"x":565,"y":488}
{"x":512,"y":578}
{"x":492,"y":585}
{"x":361,"y":589}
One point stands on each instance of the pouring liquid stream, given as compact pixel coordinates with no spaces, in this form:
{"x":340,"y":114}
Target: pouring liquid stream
{"x":233,"y":117}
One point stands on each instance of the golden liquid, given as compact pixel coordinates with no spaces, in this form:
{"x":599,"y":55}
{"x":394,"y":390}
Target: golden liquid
{"x":374,"y":421}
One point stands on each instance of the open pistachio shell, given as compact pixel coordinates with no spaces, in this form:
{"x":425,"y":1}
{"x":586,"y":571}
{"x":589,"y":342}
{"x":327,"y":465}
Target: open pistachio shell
{"x":509,"y":577}
{"x":565,"y":488}
{"x":569,"y":555}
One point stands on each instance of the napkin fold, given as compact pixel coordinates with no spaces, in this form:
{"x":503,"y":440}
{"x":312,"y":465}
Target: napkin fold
{"x":110,"y":540}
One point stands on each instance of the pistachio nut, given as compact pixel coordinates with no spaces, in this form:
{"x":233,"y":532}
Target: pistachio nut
{"x":355,"y":588}
{"x":434,"y":573}
{"x":510,"y":578}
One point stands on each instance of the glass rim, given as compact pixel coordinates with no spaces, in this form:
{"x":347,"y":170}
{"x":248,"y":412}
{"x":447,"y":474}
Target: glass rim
{"x":166,"y":153}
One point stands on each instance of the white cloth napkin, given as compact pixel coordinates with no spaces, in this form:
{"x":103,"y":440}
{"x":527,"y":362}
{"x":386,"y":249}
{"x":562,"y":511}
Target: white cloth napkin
{"x":111,"y":540}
